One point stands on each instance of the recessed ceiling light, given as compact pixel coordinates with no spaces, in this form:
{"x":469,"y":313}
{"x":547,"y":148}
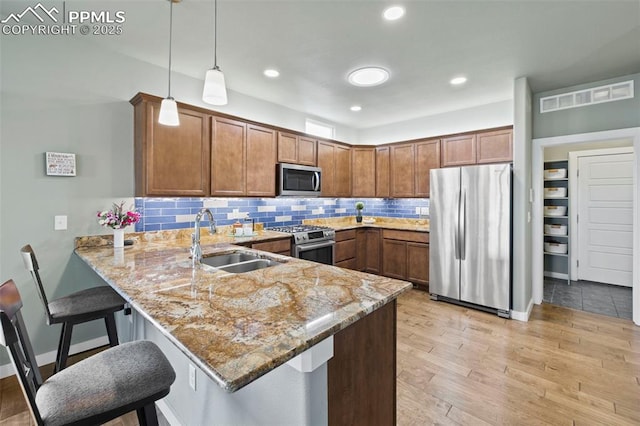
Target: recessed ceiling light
{"x":392,"y":13}
{"x":458,"y":81}
{"x":369,"y":76}
{"x":271,"y":73}
{"x":356,"y":108}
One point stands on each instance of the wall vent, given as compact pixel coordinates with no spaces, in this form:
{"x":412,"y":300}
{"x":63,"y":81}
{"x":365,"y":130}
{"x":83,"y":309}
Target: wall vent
{"x":596,"y":95}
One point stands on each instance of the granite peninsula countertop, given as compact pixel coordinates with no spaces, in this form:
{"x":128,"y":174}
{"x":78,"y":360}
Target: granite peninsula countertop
{"x":235,"y":327}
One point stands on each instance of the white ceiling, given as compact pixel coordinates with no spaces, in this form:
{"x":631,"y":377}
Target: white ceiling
{"x":315,"y":43}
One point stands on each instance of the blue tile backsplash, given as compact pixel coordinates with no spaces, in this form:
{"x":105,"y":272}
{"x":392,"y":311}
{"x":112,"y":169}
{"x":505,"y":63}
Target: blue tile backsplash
{"x":177,"y":213}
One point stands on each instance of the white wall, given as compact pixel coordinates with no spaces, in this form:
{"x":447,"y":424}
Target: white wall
{"x":480,"y":117}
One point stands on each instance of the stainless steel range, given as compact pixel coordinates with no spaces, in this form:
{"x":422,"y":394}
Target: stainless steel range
{"x":311,"y":242}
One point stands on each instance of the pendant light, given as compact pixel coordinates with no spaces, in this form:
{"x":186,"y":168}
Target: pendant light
{"x":168,"y":107}
{"x":215,"y":90}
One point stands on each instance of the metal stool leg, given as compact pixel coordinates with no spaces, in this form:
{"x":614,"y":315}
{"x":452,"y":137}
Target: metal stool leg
{"x":112,"y":330}
{"x":63,"y":347}
{"x":147,"y":415}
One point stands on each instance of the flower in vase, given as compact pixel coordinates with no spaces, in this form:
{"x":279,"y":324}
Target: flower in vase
{"x":117,"y":218}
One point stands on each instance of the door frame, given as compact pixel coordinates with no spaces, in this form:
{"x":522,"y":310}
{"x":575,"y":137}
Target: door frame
{"x":574,"y":238}
{"x":536,"y":197}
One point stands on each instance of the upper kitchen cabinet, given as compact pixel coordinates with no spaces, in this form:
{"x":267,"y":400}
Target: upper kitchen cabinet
{"x":243,"y":159}
{"x":228,"y":155}
{"x":262,"y":152}
{"x":296,"y":149}
{"x":382,"y":171}
{"x":363,"y":172}
{"x":335,"y":162}
{"x":427,"y":158}
{"x":459,"y":150}
{"x":402,"y":170}
{"x":494,"y":146}
{"x":170,"y":161}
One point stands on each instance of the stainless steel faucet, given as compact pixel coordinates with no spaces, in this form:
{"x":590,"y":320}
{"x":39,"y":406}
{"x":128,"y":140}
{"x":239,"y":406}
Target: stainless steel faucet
{"x":196,"y":251}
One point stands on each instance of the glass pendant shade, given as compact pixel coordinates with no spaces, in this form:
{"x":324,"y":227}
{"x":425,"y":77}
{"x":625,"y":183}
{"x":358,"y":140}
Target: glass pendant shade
{"x":169,"y":113}
{"x":215,"y":90}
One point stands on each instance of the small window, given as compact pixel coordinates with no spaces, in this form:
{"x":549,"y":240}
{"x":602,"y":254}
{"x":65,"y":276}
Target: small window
{"x":317,"y":128}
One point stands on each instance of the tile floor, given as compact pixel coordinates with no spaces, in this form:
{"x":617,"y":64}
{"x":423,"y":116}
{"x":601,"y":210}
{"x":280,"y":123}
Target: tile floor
{"x":589,"y":296}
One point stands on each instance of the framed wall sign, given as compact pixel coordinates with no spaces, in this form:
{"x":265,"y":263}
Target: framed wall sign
{"x":60,"y":164}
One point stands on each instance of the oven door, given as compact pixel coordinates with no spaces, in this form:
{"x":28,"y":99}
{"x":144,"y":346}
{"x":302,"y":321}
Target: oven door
{"x":322,"y":252}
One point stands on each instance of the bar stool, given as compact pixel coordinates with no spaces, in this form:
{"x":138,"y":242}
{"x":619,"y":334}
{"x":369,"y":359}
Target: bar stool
{"x":82,"y":306}
{"x":128,"y":377}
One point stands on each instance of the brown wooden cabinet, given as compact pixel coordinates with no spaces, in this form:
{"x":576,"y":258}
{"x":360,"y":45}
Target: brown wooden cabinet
{"x":261,"y":161}
{"x":296,"y":149}
{"x":427,"y":158}
{"x":243,"y":159}
{"x":405,"y":256}
{"x":345,"y":249}
{"x":372,"y":259}
{"x":363,"y":172}
{"x":335,"y":162}
{"x":361,"y":375}
{"x":459,"y":150}
{"x":170,"y":161}
{"x":402,"y":170}
{"x":495,"y":146}
{"x":382,"y":172}
{"x":282,"y":246}
{"x":228,"y":157}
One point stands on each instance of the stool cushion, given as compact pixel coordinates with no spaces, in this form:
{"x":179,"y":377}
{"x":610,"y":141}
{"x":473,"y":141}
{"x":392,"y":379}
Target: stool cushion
{"x":113,"y":378}
{"x":93,"y":301}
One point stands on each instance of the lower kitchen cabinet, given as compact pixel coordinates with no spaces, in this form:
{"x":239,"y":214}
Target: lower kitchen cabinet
{"x":345,"y":249}
{"x":282,"y":246}
{"x":372,"y":250}
{"x":405,"y":256}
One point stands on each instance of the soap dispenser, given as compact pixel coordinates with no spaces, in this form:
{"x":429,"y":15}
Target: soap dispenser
{"x":237,"y":228}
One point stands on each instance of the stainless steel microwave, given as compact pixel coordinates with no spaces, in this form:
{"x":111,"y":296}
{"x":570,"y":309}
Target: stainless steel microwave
{"x":295,"y":180}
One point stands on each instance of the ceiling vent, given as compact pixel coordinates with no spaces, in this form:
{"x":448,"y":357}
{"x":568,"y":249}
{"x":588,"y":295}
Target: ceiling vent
{"x":596,"y":95}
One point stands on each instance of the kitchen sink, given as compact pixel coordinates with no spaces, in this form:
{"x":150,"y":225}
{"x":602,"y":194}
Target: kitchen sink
{"x":239,"y":262}
{"x":228,"y":259}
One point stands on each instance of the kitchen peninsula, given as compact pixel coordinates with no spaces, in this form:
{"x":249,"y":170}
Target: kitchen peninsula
{"x":296,"y":343}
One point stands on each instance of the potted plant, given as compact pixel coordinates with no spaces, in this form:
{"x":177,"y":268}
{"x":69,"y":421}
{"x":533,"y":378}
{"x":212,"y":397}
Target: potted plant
{"x":359,"y":207}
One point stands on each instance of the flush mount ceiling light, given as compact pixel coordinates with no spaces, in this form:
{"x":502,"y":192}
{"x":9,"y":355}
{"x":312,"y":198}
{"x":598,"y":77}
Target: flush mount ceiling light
{"x":458,"y":81}
{"x":369,"y":76}
{"x":168,"y":108}
{"x":356,"y":108}
{"x":392,"y":13}
{"x":271,"y":73}
{"x":215,"y":89}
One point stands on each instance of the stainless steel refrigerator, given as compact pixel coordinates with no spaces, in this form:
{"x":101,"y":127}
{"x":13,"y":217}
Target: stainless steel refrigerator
{"x":470,"y":236}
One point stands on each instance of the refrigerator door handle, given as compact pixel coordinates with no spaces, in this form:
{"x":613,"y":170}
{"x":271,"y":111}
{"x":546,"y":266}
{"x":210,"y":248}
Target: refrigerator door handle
{"x":456,"y":236}
{"x":462,"y":226}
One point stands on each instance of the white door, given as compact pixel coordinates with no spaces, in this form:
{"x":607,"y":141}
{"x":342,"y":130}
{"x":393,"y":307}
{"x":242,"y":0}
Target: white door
{"x":605,"y":218}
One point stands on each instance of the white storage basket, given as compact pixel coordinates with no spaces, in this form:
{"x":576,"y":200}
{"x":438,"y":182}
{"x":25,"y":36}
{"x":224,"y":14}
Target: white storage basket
{"x":559,"y":248}
{"x":555,"y":173}
{"x":555,"y":210}
{"x":555,"y":192}
{"x":555,"y":229}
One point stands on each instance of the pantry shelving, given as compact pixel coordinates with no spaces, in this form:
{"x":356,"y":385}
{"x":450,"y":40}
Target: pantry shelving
{"x":556,"y":219}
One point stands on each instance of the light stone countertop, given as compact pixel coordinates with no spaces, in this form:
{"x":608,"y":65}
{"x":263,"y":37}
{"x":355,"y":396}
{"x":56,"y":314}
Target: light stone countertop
{"x":349,"y":222}
{"x":235,"y":327}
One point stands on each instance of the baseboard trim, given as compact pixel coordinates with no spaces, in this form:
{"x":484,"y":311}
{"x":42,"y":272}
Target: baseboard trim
{"x":558,"y":275}
{"x":523,"y":316}
{"x":167,"y":412}
{"x":50,"y":357}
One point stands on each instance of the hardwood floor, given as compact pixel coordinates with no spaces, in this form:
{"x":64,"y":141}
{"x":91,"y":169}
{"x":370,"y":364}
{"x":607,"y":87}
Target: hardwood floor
{"x":563,"y":367}
{"x":460,"y":366}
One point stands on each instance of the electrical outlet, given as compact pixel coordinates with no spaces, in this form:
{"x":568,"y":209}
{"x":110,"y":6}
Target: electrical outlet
{"x":424,"y":211}
{"x":192,"y":376}
{"x":418,"y":210}
{"x":60,"y":223}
